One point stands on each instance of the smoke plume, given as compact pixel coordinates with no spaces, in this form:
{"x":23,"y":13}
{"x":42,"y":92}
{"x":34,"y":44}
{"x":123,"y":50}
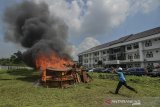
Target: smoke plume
{"x":32,"y":26}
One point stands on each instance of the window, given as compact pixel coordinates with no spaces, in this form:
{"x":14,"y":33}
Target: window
{"x":135,"y":45}
{"x":157,"y":51}
{"x":116,"y":50}
{"x":86,"y":61}
{"x":104,"y":59}
{"x":104,"y":52}
{"x":137,"y":65}
{"x":148,"y":43}
{"x":85,"y":55}
{"x":136,"y":56}
{"x":129,"y":47}
{"x":149,"y":54}
{"x":112,"y":57}
{"x":96,"y":53}
{"x":130,"y":57}
{"x":130,"y":65}
{"x":150,"y":64}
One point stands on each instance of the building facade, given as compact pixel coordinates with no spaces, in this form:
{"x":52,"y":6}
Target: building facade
{"x":135,"y":50}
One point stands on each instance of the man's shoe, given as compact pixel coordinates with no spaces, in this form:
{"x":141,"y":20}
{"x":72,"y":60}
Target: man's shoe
{"x":136,"y":91}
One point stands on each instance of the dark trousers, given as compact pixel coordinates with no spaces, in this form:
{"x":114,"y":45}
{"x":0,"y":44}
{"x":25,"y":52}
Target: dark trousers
{"x":125,"y":84}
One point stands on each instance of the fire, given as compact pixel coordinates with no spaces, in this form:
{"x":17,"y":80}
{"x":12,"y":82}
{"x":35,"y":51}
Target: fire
{"x":53,"y":61}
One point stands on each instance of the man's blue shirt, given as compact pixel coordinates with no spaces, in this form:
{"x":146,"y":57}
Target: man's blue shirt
{"x":121,"y":76}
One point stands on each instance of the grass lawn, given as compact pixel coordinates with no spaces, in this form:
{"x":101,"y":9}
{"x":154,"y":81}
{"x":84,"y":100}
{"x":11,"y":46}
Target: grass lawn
{"x":18,"y":89}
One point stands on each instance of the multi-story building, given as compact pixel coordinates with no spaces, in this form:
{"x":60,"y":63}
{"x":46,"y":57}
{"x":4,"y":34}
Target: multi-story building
{"x":135,"y":50}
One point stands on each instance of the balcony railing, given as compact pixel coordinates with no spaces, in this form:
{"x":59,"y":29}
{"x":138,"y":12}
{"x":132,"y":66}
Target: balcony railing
{"x":113,"y":62}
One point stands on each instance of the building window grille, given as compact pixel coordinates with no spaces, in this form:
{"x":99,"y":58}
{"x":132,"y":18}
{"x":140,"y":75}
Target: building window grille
{"x":136,"y":56}
{"x":112,"y":57}
{"x":130,"y":57}
{"x":149,"y":55}
{"x":86,"y":61}
{"x":130,"y":65}
{"x":135,"y":46}
{"x":104,"y":52}
{"x":148,"y":43}
{"x":137,"y":65}
{"x":129,"y":47}
{"x":116,"y":50}
{"x":104,"y":59}
{"x":85,"y":55}
{"x":150,"y":64}
{"x":96,"y":53}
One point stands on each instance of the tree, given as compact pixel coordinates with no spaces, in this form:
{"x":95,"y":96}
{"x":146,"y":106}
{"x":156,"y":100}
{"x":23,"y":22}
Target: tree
{"x":16,"y":58}
{"x":4,"y":61}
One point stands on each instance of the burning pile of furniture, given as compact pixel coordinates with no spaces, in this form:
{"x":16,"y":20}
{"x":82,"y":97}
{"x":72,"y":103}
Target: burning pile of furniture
{"x":63,"y":77}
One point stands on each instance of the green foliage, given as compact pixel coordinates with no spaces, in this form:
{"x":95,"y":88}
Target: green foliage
{"x":15,"y":59}
{"x":5,"y":61}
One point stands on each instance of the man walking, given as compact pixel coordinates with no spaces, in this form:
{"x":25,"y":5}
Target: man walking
{"x":122,"y":80}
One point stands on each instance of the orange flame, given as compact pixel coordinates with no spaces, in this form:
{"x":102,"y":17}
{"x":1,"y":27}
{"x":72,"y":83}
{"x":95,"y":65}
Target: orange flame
{"x":53,"y":61}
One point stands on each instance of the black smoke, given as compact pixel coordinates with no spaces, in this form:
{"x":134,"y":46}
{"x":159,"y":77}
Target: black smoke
{"x":32,"y":26}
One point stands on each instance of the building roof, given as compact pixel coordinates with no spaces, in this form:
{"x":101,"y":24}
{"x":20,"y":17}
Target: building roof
{"x":126,"y":39}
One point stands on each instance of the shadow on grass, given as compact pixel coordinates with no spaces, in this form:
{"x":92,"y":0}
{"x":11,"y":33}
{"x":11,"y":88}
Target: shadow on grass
{"x":124,"y":95}
{"x":29,"y":78}
{"x":20,"y":72}
{"x":5,"y":79}
{"x":25,"y":75}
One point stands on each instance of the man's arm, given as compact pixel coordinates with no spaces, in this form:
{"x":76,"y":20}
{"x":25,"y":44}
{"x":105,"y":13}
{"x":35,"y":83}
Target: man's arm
{"x":113,"y":70}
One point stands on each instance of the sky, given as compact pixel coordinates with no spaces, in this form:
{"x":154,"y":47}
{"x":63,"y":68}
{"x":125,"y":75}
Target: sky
{"x":92,"y":22}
